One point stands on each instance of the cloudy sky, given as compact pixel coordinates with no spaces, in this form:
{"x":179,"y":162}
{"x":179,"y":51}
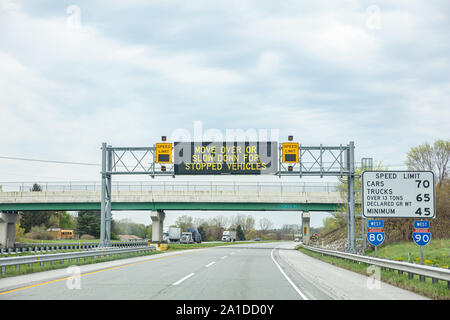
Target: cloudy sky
{"x":74,"y":74}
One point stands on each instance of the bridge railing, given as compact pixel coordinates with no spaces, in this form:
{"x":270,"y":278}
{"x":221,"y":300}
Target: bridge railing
{"x":166,"y":186}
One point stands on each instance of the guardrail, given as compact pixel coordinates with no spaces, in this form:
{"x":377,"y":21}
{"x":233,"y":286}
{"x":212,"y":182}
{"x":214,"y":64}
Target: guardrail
{"x":163,"y":186}
{"x":39,"y":247}
{"x":435,"y":273}
{"x":52,"y":258}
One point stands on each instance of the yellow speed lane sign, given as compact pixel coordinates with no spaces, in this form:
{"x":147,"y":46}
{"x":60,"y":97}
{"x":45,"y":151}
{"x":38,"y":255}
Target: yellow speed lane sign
{"x":163,"y":153}
{"x":290,"y":152}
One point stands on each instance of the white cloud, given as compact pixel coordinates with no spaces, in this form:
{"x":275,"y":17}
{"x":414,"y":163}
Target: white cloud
{"x":135,"y":70}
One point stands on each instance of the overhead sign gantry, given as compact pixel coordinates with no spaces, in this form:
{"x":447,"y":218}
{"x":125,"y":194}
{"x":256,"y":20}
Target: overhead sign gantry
{"x":228,"y":157}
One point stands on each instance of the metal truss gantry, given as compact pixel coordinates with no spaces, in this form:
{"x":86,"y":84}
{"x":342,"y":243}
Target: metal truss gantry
{"x":122,"y":161}
{"x":320,"y":161}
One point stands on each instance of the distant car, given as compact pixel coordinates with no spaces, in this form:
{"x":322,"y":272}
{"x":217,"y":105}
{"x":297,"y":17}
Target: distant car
{"x":257,"y":239}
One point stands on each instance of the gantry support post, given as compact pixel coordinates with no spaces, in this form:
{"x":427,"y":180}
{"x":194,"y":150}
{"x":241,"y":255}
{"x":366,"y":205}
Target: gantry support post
{"x":105,"y":221}
{"x":351,"y":199}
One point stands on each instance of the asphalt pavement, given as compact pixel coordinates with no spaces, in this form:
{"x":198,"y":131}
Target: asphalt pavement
{"x":257,"y":271}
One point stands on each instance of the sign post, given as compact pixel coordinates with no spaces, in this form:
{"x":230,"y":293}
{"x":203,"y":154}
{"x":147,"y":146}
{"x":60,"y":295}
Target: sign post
{"x":375,"y":233}
{"x":421,"y":235}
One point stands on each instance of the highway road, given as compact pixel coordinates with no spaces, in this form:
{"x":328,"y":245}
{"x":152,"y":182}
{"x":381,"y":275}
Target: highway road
{"x":259,"y":271}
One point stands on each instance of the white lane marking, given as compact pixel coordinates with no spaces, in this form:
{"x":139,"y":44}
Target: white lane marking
{"x":181,"y":280}
{"x":223,"y":257}
{"x":210,"y":264}
{"x":287,"y":278}
{"x":233,"y":253}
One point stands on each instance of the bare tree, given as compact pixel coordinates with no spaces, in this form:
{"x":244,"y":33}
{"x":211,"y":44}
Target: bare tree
{"x":184,"y":222}
{"x":265,"y":224}
{"x":434,"y":158}
{"x":249,"y":223}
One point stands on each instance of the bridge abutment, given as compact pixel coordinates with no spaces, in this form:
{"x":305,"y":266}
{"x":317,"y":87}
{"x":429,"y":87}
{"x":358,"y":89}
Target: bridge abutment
{"x":305,"y":227}
{"x":157,"y":217}
{"x":8,"y":222}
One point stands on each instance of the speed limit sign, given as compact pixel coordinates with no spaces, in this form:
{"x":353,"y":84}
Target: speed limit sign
{"x":398,"y":194}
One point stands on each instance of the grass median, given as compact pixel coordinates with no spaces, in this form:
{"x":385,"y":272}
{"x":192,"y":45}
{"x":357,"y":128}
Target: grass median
{"x":181,"y":246}
{"x":39,"y":266}
{"x":427,"y":288}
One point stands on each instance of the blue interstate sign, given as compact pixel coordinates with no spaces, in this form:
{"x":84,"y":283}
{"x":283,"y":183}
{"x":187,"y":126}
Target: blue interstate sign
{"x":375,"y":238}
{"x":421,"y":224}
{"x":421,"y":233}
{"x":375,"y":232}
{"x":375,"y":224}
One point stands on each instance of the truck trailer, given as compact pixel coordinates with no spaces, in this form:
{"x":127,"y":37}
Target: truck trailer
{"x":174,"y":234}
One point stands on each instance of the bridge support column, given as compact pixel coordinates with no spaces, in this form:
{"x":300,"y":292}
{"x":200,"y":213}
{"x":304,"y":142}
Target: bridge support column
{"x":157,"y":225}
{"x":8,"y":222}
{"x":305,"y":227}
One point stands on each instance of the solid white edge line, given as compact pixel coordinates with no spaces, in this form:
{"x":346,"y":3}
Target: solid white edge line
{"x":181,"y":280}
{"x":287,"y":278}
{"x":210,"y":264}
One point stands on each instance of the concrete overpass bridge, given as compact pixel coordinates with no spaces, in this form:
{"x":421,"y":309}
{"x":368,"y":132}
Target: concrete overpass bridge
{"x":161,"y":196}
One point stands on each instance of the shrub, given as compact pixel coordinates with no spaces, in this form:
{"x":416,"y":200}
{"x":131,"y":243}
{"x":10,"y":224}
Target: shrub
{"x":87,"y":237}
{"x":40,"y":233}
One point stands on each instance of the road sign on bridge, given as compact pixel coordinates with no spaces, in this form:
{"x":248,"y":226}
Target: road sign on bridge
{"x":194,"y":158}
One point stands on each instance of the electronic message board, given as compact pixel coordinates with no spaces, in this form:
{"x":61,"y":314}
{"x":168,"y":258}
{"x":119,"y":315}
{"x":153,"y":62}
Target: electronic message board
{"x":229,"y":157}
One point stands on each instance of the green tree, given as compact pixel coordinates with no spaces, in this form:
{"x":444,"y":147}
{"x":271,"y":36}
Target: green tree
{"x":20,"y":232}
{"x":88,"y":222}
{"x":29,"y":219}
{"x":202,"y":231}
{"x":66,"y":221}
{"x":240,"y":233}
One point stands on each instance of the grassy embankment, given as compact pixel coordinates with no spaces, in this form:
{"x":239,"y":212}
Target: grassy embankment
{"x":435,"y":253}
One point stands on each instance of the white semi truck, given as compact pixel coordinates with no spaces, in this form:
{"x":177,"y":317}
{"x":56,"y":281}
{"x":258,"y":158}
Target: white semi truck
{"x":186,"y":237}
{"x":229,"y":236}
